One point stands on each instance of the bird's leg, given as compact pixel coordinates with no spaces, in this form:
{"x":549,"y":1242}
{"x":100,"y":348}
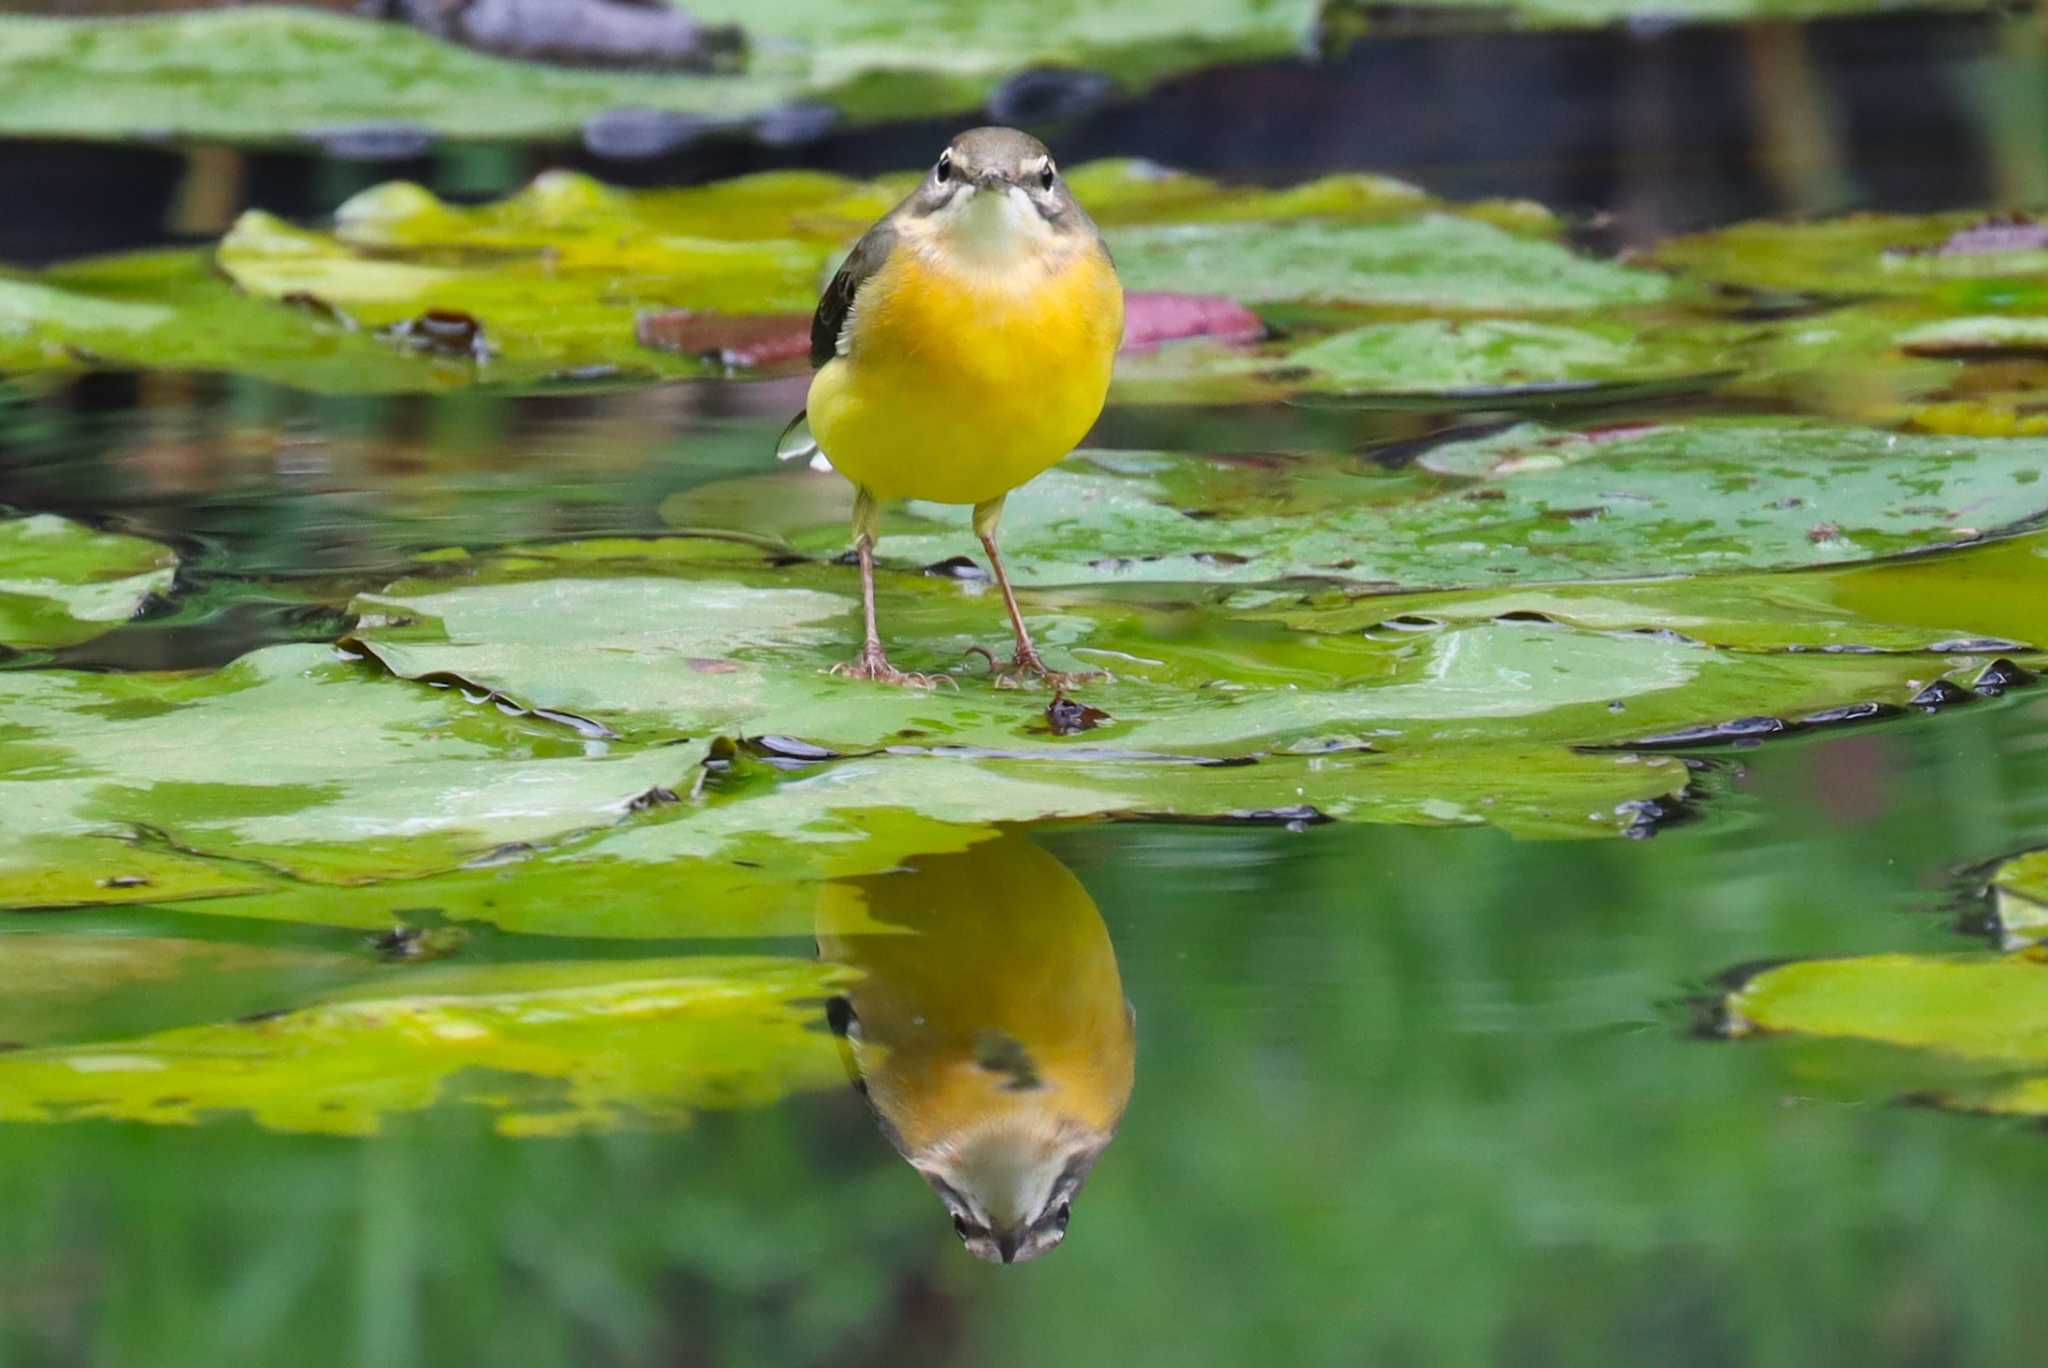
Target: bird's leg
{"x":871,"y":663}
{"x":1027,"y":663}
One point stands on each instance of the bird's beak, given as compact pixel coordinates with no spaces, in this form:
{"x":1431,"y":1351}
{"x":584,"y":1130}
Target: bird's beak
{"x":989,"y":180}
{"x":1006,"y":1245}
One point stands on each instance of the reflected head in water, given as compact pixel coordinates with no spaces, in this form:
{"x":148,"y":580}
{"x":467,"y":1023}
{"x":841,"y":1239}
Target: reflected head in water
{"x":989,"y":1032}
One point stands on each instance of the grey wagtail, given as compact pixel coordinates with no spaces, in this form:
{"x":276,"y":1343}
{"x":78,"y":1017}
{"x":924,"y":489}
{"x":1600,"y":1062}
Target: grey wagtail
{"x":964,"y":347}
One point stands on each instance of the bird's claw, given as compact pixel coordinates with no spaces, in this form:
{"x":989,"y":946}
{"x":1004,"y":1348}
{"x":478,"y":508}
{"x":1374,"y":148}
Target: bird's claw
{"x":1028,"y":670}
{"x":871,"y":664}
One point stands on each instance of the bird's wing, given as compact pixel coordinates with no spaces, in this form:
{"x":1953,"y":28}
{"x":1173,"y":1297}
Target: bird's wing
{"x":866,"y":258}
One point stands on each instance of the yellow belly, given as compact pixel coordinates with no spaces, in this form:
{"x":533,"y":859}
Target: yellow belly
{"x":958,"y":388}
{"x":996,"y":943}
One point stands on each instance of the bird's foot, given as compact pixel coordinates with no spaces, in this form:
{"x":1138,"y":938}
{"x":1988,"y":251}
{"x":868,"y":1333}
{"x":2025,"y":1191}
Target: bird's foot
{"x":873,"y":665}
{"x":1027,"y":670}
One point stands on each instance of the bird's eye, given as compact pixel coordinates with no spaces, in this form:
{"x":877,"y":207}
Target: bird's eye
{"x":1064,"y":1215}
{"x":959,"y":1223}
{"x":1048,"y":176}
{"x":944,"y":170}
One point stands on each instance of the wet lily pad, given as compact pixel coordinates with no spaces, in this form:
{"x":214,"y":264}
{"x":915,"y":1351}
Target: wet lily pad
{"x":271,"y":75}
{"x":632,"y":651}
{"x":555,"y":274}
{"x":1980,"y":1018}
{"x":1992,"y":597}
{"x":561,"y":280}
{"x":1452,"y":355}
{"x":173,"y":311}
{"x":1528,"y":502}
{"x":1863,"y":253}
{"x":1427,"y":261}
{"x":56,"y":987}
{"x":536,"y":315}
{"x":62,"y":583}
{"x":754,"y":859}
{"x":1546,"y":14}
{"x":287,"y":764}
{"x":2019,"y":889}
{"x":1978,"y":337}
{"x":550,"y":1048}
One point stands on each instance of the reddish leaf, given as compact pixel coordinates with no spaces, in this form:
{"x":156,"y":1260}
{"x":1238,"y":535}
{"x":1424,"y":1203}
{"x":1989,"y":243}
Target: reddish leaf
{"x":729,"y":339}
{"x":1150,"y":319}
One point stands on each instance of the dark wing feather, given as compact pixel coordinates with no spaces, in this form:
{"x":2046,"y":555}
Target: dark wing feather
{"x":862,"y":262}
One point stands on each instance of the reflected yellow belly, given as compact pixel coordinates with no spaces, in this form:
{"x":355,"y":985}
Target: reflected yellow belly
{"x":958,"y":388}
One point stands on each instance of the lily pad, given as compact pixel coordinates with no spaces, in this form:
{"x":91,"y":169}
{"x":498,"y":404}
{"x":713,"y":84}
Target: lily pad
{"x":1711,"y":496}
{"x":57,"y":987}
{"x":1863,"y":253}
{"x":266,"y":76}
{"x":551,"y":1048}
{"x":61,"y":583}
{"x":1426,"y":261}
{"x":630,"y":651}
{"x":1453,"y":355}
{"x":1992,"y":597}
{"x":1982,"y":1018}
{"x":2019,"y":890}
{"x":173,"y":311}
{"x":754,"y":859}
{"x":287,"y":764}
{"x":555,"y":274}
{"x":1978,"y":337}
{"x":1547,"y":14}
{"x":530,"y":315}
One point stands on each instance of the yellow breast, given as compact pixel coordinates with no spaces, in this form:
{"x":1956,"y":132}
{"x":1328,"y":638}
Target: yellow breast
{"x":992,"y":995}
{"x":960,"y":384}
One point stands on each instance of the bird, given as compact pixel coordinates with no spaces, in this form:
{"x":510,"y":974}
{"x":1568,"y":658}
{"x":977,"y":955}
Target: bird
{"x":988,"y":1030}
{"x":964,"y":346}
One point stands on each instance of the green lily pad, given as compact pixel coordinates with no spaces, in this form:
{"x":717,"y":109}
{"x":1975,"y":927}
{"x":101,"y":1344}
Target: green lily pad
{"x":1846,"y":362}
{"x":550,"y":281}
{"x":551,"y":1048}
{"x":1859,"y":254}
{"x":1983,"y":598}
{"x":271,"y":75}
{"x":287,"y":764}
{"x":57,"y":987}
{"x":1981,"y":1020}
{"x":627,"y":645}
{"x":1538,"y":504}
{"x":2019,"y":889}
{"x":1451,"y":355}
{"x":1979,"y":1006}
{"x":61,"y":583}
{"x":1427,"y":261}
{"x":1978,"y":336}
{"x":537,"y":316}
{"x":1123,"y":192}
{"x":755,"y":859}
{"x":173,"y":311}
{"x":1549,"y":14}
{"x":557,"y":272}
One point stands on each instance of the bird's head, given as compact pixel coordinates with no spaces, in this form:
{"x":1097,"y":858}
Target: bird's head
{"x":995,"y":195}
{"x":1011,"y":1188}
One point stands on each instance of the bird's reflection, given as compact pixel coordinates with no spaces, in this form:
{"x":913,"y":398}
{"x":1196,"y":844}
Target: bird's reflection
{"x":989,"y":1033}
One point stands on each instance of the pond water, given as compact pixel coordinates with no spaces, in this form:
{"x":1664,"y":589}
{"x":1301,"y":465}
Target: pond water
{"x":1559,"y":894}
{"x":1399,"y":1094}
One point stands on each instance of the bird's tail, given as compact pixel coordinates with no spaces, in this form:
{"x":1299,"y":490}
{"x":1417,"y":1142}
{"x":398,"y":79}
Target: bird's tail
{"x":797,"y":444}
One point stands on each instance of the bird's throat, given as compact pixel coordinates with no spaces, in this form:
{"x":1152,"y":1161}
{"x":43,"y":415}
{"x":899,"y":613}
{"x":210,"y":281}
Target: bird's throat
{"x":993,"y":231}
